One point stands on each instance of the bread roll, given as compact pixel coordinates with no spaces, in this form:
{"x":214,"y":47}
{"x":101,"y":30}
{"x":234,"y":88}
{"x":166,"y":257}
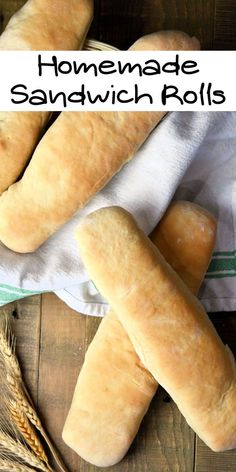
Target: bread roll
{"x":78,"y":155}
{"x":166,"y":324}
{"x":114,"y":389}
{"x":38,"y":25}
{"x":42,"y":25}
{"x":19,"y":134}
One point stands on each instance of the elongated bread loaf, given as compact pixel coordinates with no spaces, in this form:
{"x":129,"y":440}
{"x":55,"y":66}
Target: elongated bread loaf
{"x":167,"y":325}
{"x":78,"y":155}
{"x":38,"y":25}
{"x":42,"y":25}
{"x":19,"y":134}
{"x":114,"y":389}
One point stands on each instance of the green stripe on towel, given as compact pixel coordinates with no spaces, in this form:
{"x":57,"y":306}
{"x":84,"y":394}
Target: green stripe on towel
{"x":220,"y":276}
{"x":225,"y":253}
{"x":8,"y":297}
{"x":10,"y":294}
{"x":10,"y":288}
{"x":222,"y":265}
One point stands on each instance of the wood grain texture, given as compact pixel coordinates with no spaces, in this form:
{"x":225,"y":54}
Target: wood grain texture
{"x":62,"y":348}
{"x":225,"y":25}
{"x":26,"y":325}
{"x":122,"y":22}
{"x":51,"y":343}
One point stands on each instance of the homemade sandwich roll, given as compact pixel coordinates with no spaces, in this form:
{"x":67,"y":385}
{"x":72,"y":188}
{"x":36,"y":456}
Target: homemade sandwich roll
{"x":42,"y":25}
{"x":38,"y":25}
{"x":78,"y":155}
{"x":166,"y":324}
{"x":114,"y":389}
{"x":19,"y":134}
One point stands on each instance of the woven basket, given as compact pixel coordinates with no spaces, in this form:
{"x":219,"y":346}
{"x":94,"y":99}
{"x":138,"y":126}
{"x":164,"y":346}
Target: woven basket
{"x":93,"y":45}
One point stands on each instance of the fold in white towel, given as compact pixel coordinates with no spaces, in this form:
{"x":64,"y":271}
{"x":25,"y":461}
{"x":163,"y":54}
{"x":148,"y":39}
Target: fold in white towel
{"x":189,"y":156}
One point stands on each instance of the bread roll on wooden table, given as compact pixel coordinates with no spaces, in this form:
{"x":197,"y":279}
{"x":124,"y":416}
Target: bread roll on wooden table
{"x":167,"y":325}
{"x":114,"y":389}
{"x":38,"y":25}
{"x":78,"y":155}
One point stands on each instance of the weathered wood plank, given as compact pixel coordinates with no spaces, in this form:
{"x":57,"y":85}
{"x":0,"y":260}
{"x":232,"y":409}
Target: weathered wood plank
{"x":122,"y":22}
{"x":63,"y":335}
{"x":26,"y":325}
{"x":164,"y":443}
{"x":208,"y":461}
{"x":225,"y":25}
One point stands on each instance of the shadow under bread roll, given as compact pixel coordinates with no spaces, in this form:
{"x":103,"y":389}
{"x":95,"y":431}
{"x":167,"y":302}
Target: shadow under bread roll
{"x":114,"y":389}
{"x":78,"y":155}
{"x":165,"y":322}
{"x":38,"y":25}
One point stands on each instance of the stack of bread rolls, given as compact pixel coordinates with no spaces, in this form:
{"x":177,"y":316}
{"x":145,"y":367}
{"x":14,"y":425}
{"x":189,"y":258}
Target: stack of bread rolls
{"x":39,"y":25}
{"x":77,"y":156}
{"x":155,"y":314}
{"x":114,"y":389}
{"x":156,"y":330}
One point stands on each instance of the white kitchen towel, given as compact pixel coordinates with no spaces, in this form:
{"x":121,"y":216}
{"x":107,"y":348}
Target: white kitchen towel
{"x":188,"y":156}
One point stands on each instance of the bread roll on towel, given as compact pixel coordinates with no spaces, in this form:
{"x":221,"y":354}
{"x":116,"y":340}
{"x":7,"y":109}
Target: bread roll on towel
{"x":114,"y":389}
{"x":38,"y":25}
{"x":167,"y":325}
{"x":78,"y":155}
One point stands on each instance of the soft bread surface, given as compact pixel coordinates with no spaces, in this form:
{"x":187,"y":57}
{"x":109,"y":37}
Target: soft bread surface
{"x":43,"y":25}
{"x":38,"y":25}
{"x":78,"y":155}
{"x":19,"y":134}
{"x":175,"y":339}
{"x":114,"y":389}
{"x":185,"y":237}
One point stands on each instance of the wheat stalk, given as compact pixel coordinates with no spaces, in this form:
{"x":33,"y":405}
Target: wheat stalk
{"x":7,"y":465}
{"x":18,"y":401}
{"x":27,"y":431}
{"x":10,"y":445}
{"x":22,"y":404}
{"x":7,"y":342}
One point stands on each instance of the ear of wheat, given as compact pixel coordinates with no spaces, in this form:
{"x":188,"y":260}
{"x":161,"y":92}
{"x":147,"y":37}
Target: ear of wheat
{"x":7,"y":465}
{"x":20,"y":446}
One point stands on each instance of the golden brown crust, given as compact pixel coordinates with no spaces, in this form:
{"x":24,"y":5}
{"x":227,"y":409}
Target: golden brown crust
{"x":76,"y":158}
{"x":175,"y":339}
{"x":48,"y":25}
{"x":177,"y":245}
{"x":111,"y":373}
{"x":113,"y":387}
{"x":19,"y":133}
{"x":38,"y":25}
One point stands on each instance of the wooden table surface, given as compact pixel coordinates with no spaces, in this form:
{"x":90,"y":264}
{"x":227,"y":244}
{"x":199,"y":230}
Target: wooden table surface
{"x":52,"y":339}
{"x":51,"y":344}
